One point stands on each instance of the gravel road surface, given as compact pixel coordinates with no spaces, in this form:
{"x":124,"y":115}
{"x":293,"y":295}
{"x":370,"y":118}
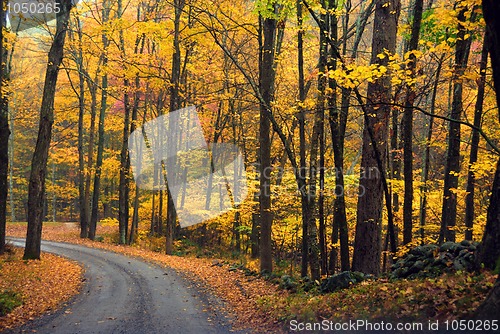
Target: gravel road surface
{"x":126,"y":295}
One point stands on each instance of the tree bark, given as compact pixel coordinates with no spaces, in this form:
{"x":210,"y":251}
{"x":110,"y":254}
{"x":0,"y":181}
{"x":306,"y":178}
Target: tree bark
{"x":338,"y":122}
{"x":36,"y":187}
{"x":474,"y":149}
{"x":124,"y":186}
{"x":408,"y":126}
{"x":4,"y":133}
{"x":367,"y":243}
{"x":452,"y":166}
{"x":266,"y":90}
{"x":302,"y":136}
{"x":174,"y":105}
{"x":490,"y":250}
{"x":102,"y":113}
{"x":427,"y":154}
{"x":84,"y":229}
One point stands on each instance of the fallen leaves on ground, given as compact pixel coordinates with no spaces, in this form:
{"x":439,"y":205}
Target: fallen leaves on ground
{"x":239,"y":293}
{"x":43,"y":285}
{"x":260,"y":306}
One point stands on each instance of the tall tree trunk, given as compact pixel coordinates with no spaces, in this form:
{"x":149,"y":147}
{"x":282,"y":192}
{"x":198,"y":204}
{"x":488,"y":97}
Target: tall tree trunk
{"x":452,"y":165}
{"x":135,"y":110}
{"x":92,"y":87}
{"x":408,"y":125}
{"x":302,"y":136}
{"x":367,"y":243}
{"x":338,"y":120}
{"x":313,"y":247}
{"x":267,"y":91}
{"x":102,"y":114}
{"x":174,"y":105}
{"x":36,"y":187}
{"x":4,"y":133}
{"x":427,"y":154}
{"x":124,"y":186}
{"x":478,"y":114}
{"x":84,"y":230}
{"x":11,"y":170}
{"x":490,"y":249}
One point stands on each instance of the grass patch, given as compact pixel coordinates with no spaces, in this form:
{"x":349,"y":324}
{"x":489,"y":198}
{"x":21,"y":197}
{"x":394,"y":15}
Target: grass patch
{"x":29,"y":288}
{"x":9,"y":300}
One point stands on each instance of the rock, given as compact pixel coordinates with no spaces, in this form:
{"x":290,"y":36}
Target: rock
{"x":465,"y":243}
{"x":418,"y":266}
{"x":425,"y":250}
{"x":432,"y":260}
{"x":448,"y":247}
{"x":341,"y":281}
{"x":287,"y":282}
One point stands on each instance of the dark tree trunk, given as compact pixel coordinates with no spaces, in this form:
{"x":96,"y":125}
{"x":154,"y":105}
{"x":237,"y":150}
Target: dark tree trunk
{"x":302,"y":137}
{"x":4,"y":134}
{"x":100,"y":143}
{"x":427,"y":155}
{"x":92,"y":87}
{"x":367,"y":243}
{"x":266,"y":90}
{"x":124,"y":186}
{"x":474,"y":149}
{"x":490,"y":246}
{"x":314,"y":249}
{"x":338,"y":122}
{"x":490,"y":250}
{"x":36,"y":187}
{"x":174,"y":105}
{"x":84,"y":229}
{"x":408,"y":126}
{"x":135,"y":109}
{"x":452,"y":166}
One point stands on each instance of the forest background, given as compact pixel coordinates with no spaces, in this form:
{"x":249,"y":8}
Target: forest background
{"x":367,"y":127}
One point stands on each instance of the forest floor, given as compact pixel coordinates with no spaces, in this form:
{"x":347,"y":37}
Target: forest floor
{"x":258,"y":304}
{"x":32,"y":288}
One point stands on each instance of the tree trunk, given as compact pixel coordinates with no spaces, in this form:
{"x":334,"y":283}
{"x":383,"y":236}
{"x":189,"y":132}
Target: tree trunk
{"x":102,"y":114}
{"x":338,"y":122}
{"x":408,"y":126}
{"x":427,"y":154}
{"x":478,"y":114}
{"x":84,"y":230}
{"x":452,"y":166}
{"x":367,"y":243}
{"x":490,"y":250}
{"x":4,"y":134}
{"x":266,"y":90}
{"x":313,"y":247}
{"x":92,"y":87}
{"x":174,"y":105}
{"x":36,"y":187}
{"x":302,"y":136}
{"x":123,"y":186}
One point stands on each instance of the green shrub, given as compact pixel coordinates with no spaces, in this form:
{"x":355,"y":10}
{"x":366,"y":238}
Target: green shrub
{"x":9,"y":300}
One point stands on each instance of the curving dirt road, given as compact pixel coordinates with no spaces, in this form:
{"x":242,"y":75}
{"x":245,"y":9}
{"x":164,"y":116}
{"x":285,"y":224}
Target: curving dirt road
{"x":125,"y":295}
